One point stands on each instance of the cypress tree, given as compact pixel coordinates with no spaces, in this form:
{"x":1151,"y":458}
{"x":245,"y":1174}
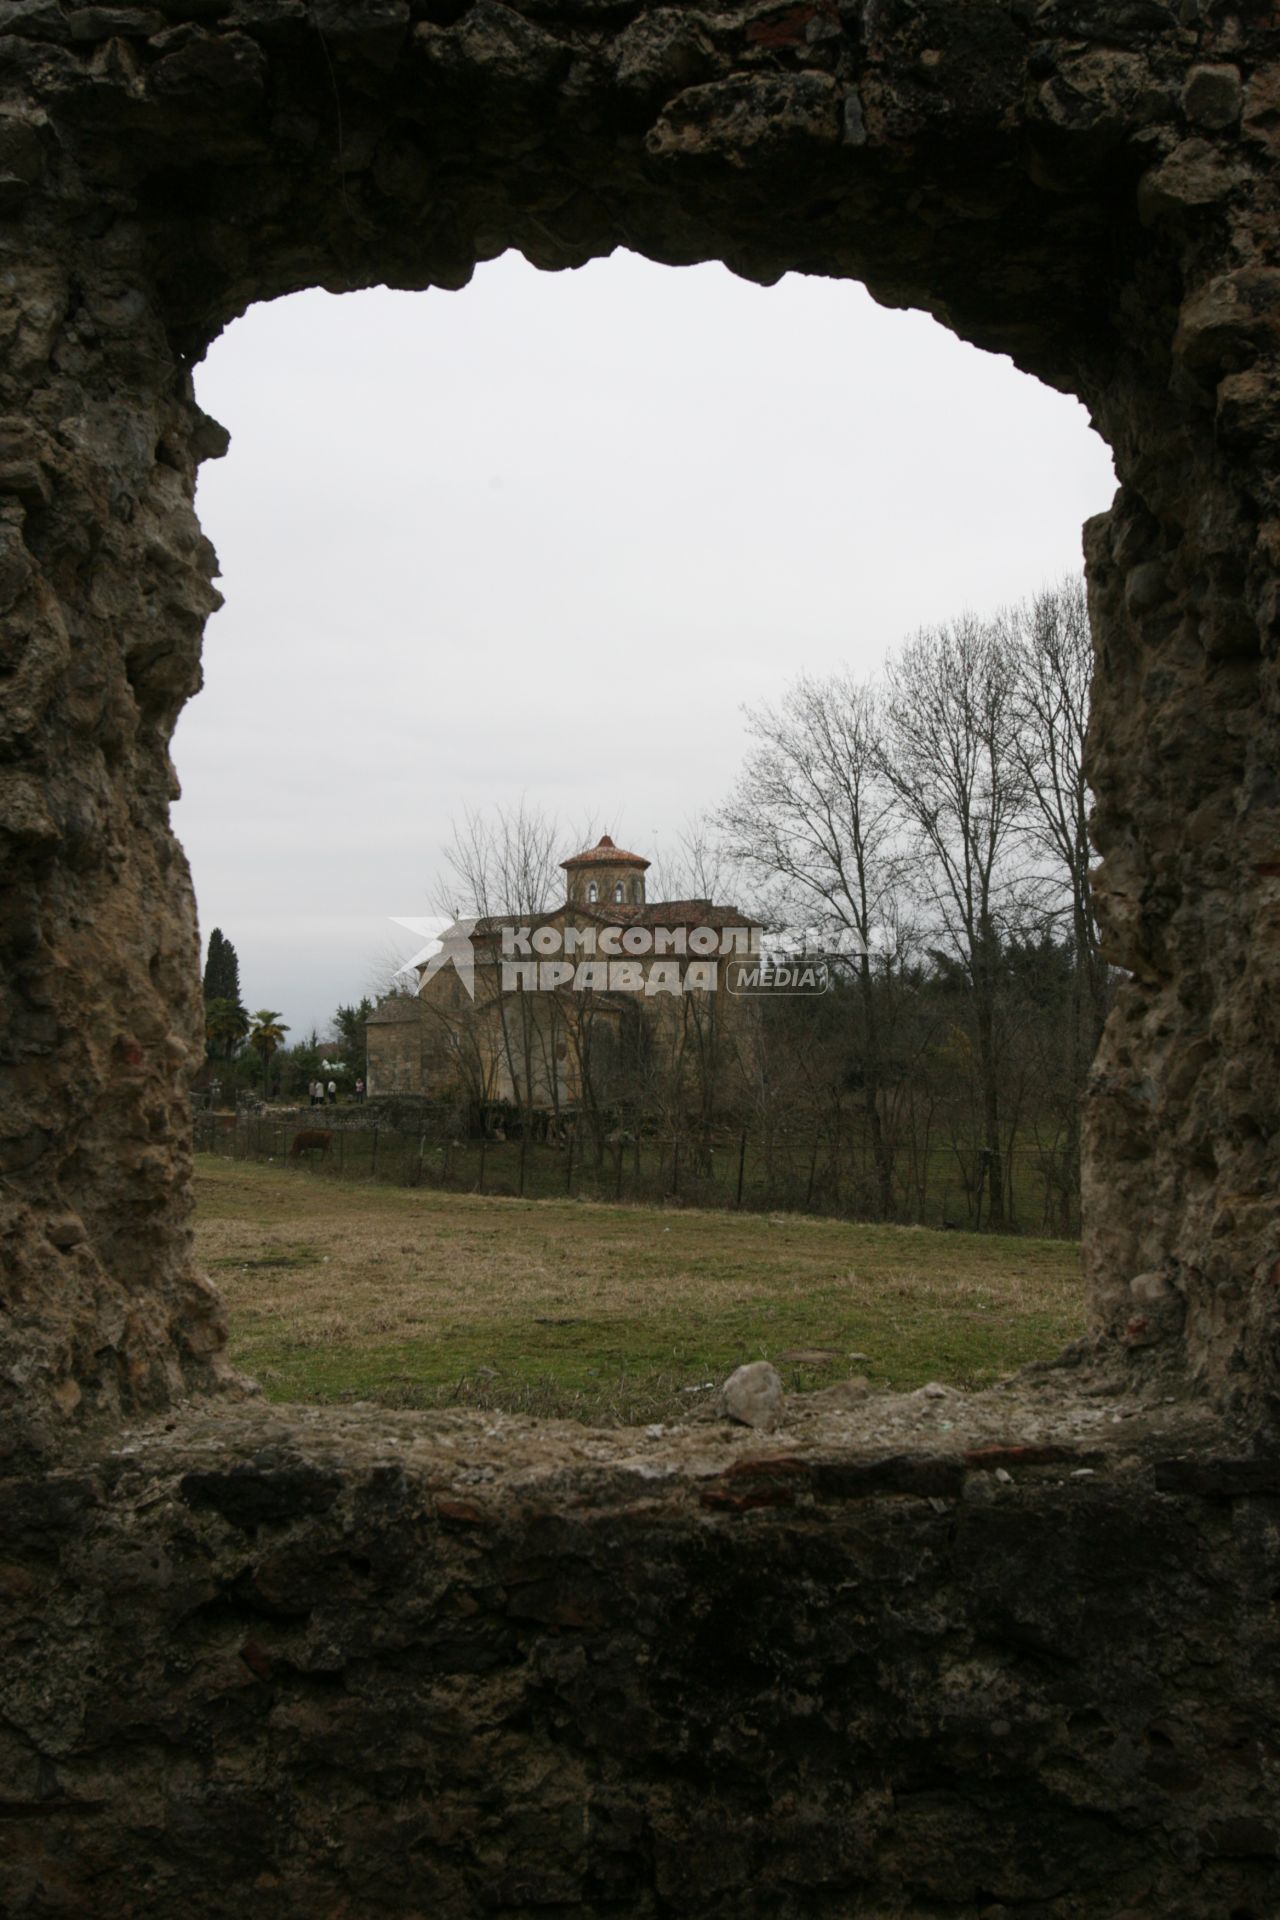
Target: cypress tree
{"x":221,"y":970}
{"x":213,"y":967}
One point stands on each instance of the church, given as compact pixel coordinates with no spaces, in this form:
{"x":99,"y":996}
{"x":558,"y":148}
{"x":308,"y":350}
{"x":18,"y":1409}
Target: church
{"x":607,"y":1001}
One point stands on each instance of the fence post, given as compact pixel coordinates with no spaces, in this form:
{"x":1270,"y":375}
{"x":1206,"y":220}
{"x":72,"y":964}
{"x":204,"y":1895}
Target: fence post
{"x":484,"y":1146}
{"x":373,"y":1164}
{"x":742,"y":1165}
{"x":675,"y":1167}
{"x":568,"y":1165}
{"x":524,"y":1146}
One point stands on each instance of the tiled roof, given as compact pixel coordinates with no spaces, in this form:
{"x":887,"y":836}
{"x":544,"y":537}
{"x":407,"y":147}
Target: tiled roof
{"x":605,"y":854}
{"x":609,"y":913}
{"x":495,"y":922}
{"x":702,"y":913}
{"x":665,"y":913}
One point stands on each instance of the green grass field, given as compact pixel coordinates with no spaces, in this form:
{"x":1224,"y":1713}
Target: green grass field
{"x":341,"y":1291}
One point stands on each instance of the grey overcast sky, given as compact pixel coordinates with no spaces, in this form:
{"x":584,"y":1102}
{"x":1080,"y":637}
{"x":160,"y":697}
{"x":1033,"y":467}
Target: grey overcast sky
{"x":544,"y":538}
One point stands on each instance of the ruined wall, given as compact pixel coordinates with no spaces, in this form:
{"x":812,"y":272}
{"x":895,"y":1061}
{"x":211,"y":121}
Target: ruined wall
{"x":382,"y":1666}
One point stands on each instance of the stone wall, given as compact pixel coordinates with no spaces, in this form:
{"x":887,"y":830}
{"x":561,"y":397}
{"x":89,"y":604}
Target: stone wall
{"x":400,"y":1112}
{"x":395,"y":1050}
{"x":879,"y":1664}
{"x":262,"y":1678}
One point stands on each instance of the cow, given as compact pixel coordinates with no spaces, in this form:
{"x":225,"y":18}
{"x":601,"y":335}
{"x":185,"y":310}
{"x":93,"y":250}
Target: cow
{"x":310,"y":1139}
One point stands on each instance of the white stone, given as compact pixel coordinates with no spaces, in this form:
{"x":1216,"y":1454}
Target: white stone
{"x":753,"y":1395}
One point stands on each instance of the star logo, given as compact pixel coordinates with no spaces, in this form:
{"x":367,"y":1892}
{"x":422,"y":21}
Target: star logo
{"x":448,"y":943}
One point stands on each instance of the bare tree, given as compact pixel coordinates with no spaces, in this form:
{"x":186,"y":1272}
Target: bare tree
{"x":951,"y":755}
{"x":1053,"y":657}
{"x":500,"y":863}
{"x":698,"y":865}
{"x":1052,"y":650}
{"x":501,"y":866}
{"x":815,"y":824}
{"x":387,"y":978}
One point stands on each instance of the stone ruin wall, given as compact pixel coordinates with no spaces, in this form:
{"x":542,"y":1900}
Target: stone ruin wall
{"x":1088,"y":187}
{"x":366,"y":1665}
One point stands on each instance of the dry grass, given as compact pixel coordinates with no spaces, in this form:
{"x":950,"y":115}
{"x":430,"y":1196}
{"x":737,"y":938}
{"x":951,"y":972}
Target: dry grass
{"x":416,"y":1298}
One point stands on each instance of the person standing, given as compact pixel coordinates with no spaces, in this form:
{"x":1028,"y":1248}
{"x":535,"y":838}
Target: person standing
{"x":333,"y":1093}
{"x":359,"y":1090}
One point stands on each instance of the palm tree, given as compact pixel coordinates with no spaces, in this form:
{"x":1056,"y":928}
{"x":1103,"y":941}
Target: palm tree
{"x":225,"y":1026}
{"x":265,"y":1036}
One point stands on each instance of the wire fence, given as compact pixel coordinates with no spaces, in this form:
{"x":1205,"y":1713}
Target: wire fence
{"x":733,"y":1169}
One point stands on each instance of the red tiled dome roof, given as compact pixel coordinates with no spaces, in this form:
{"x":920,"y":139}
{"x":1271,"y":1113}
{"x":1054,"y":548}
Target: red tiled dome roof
{"x":605,"y":854}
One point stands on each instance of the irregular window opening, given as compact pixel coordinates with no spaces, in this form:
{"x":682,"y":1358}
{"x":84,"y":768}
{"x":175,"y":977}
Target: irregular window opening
{"x":583,"y":1105}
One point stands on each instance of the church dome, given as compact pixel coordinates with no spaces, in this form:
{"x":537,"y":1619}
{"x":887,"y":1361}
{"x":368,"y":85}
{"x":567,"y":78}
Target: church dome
{"x":604,"y":854}
{"x":605,"y":875}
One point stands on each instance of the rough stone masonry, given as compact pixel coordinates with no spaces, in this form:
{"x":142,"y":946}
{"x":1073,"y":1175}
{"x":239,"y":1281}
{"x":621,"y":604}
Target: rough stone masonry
{"x":1087,"y":185}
